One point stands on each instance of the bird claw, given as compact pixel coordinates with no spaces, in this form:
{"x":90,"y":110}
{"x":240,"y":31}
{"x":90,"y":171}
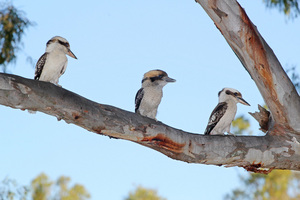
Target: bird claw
{"x":231,"y":134}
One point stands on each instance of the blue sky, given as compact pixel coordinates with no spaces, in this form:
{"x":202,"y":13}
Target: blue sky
{"x":116,"y":43}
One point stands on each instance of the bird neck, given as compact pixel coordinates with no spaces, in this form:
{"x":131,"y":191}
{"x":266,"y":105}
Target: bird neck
{"x":154,"y":85}
{"x":231,"y":103}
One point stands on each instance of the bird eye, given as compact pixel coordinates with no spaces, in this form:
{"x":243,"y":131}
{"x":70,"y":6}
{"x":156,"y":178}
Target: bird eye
{"x":66,"y":44}
{"x":235,"y":94}
{"x":160,"y":76}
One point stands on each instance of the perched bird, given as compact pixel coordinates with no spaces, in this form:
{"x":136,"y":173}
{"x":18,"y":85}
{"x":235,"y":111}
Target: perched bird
{"x":149,"y":96}
{"x":224,"y":113}
{"x":53,"y":63}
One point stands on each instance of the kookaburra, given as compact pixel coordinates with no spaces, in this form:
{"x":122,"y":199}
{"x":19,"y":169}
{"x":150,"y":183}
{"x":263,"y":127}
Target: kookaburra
{"x":224,"y":113}
{"x":53,"y":63}
{"x":149,"y":96}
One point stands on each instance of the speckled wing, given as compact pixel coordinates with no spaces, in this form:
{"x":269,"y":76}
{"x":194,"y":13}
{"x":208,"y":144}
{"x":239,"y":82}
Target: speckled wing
{"x":39,"y":66}
{"x":138,"y":98}
{"x":215,"y":117}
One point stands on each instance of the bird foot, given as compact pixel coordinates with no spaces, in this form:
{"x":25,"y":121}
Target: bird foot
{"x":231,"y":134}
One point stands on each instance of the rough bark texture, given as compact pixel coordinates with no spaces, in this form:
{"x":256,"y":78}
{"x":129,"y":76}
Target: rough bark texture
{"x":249,"y":152}
{"x":263,"y":118}
{"x":279,"y":149}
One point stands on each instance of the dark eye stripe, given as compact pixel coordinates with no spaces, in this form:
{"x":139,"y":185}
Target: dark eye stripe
{"x":66,"y":44}
{"x":156,"y":78}
{"x":152,"y":79}
{"x":237,"y":94}
{"x":49,"y":42}
{"x":228,"y":92}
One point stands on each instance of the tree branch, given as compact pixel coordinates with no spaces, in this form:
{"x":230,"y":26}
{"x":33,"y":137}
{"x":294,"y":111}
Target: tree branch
{"x":258,"y":59}
{"x":244,"y":151}
{"x":279,"y":149}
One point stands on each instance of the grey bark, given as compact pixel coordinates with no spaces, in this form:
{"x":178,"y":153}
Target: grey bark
{"x":250,"y":152}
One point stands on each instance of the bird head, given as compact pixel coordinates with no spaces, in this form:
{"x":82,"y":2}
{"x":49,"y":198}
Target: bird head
{"x":59,"y":43}
{"x":156,"y":78}
{"x":230,"y":94}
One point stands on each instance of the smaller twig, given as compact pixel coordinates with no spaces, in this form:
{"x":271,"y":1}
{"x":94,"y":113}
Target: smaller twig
{"x":263,"y":117}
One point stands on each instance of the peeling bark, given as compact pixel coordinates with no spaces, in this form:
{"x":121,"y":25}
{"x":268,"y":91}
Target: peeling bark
{"x":263,"y":118}
{"x":245,"y":151}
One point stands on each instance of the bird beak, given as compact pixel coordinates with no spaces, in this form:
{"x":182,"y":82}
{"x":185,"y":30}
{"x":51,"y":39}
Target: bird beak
{"x":168,"y":79}
{"x":242,"y":101}
{"x":70,"y":53}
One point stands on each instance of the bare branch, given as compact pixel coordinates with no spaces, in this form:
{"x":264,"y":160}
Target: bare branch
{"x":245,"y":151}
{"x":263,"y":118}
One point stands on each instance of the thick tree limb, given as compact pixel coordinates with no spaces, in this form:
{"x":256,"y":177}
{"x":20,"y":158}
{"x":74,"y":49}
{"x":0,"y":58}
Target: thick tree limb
{"x":258,"y":59}
{"x":250,"y":152}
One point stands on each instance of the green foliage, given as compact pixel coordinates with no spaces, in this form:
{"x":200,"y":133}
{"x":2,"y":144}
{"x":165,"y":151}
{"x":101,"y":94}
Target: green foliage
{"x":42,"y":188}
{"x":289,"y":7}
{"x":241,"y":126}
{"x":278,"y":185}
{"x":9,"y":190}
{"x":77,"y":192}
{"x":12,"y":27}
{"x":144,"y":194}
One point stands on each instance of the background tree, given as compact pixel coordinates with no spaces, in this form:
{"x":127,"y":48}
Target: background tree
{"x":241,"y":126}
{"x":42,"y":188}
{"x":142,"y":193}
{"x":10,"y":190}
{"x":13,"y":24}
{"x":277,"y":185}
{"x":289,"y":7}
{"x":64,"y":192}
